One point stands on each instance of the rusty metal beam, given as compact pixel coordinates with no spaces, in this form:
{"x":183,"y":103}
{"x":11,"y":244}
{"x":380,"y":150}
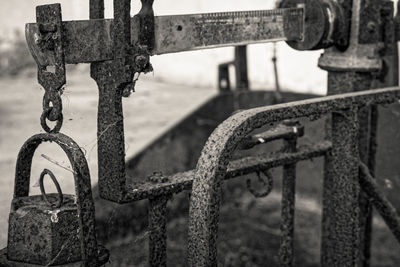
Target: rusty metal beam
{"x":92,"y":40}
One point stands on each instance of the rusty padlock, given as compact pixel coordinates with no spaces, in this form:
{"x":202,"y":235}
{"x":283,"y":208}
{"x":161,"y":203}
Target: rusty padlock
{"x":52,"y":229}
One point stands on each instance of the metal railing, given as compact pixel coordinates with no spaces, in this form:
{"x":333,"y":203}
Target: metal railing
{"x":342,"y":183}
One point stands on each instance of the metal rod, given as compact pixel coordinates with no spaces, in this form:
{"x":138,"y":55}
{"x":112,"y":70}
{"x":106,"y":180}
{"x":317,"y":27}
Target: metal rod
{"x":158,"y":231}
{"x":183,"y":180}
{"x":381,"y":203}
{"x":286,"y":253}
{"x":278,"y":94}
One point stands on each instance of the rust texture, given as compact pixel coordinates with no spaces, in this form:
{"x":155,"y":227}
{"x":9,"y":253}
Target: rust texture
{"x":340,"y":221}
{"x":183,"y":180}
{"x":112,"y":77}
{"x":324,"y":25}
{"x":372,"y":52}
{"x":286,"y":252}
{"x":115,"y":80}
{"x":51,"y":39}
{"x":89,"y":41}
{"x":315,"y":106}
{"x":381,"y":203}
{"x":158,"y":230}
{"x":281,"y":131}
{"x":45,"y":234}
{"x":212,"y":166}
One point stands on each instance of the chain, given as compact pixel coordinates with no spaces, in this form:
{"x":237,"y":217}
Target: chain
{"x":50,"y":38}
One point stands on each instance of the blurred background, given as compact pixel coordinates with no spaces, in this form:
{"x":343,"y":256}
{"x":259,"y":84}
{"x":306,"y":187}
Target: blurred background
{"x":179,"y":84}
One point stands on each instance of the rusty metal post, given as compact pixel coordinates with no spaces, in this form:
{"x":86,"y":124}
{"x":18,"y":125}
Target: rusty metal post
{"x":340,"y":222}
{"x":356,"y":69}
{"x":112,"y":77}
{"x":286,"y":253}
{"x":242,"y":80}
{"x":158,"y":230}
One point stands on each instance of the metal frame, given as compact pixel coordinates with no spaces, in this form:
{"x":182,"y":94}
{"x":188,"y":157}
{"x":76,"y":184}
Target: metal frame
{"x":359,"y":42}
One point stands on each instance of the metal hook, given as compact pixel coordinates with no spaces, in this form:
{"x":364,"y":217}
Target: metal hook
{"x":60,"y":195}
{"x":267,"y":183}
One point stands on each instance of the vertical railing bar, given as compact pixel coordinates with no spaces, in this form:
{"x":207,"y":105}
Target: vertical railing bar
{"x":341,"y":192}
{"x":158,"y":230}
{"x":372,"y":146}
{"x":286,"y":250}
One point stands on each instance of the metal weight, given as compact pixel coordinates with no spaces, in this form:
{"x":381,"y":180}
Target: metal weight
{"x":52,"y":229}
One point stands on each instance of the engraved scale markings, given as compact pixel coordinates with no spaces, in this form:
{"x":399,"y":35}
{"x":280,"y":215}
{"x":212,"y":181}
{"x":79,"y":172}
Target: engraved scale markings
{"x":92,"y":40}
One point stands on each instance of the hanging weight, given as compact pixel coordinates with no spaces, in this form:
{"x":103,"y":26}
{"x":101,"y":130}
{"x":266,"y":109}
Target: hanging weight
{"x":52,"y":229}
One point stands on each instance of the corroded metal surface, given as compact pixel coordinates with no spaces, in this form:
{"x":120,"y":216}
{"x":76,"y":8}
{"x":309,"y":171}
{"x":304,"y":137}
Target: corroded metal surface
{"x":158,"y":231}
{"x":286,"y":131}
{"x":286,"y":249}
{"x":381,"y":203}
{"x":341,"y":191}
{"x":212,"y":165}
{"x":365,"y":42}
{"x":325,"y":25}
{"x":183,"y":180}
{"x":92,"y":40}
{"x":50,"y":40}
{"x":89,"y":251}
{"x":41,"y":234}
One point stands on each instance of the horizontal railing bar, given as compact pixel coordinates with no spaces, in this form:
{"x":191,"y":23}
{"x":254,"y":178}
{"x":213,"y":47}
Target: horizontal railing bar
{"x":380,"y":202}
{"x":183,"y":181}
{"x":281,"y":131}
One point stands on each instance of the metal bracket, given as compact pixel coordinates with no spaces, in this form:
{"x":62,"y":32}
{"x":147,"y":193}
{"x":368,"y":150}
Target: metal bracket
{"x":366,"y":44}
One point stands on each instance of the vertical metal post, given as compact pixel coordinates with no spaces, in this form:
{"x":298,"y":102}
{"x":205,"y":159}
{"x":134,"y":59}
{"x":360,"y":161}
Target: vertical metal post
{"x":242,"y":80}
{"x":286,"y":252}
{"x":349,"y":71}
{"x":341,"y":191}
{"x":112,"y":77}
{"x":158,"y":231}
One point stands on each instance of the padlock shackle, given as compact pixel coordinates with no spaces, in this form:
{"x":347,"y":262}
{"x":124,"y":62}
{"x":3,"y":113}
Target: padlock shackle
{"x":83,"y":191}
{"x":43,"y":191}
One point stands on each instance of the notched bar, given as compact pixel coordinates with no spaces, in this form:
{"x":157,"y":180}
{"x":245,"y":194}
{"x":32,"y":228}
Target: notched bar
{"x":89,"y":41}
